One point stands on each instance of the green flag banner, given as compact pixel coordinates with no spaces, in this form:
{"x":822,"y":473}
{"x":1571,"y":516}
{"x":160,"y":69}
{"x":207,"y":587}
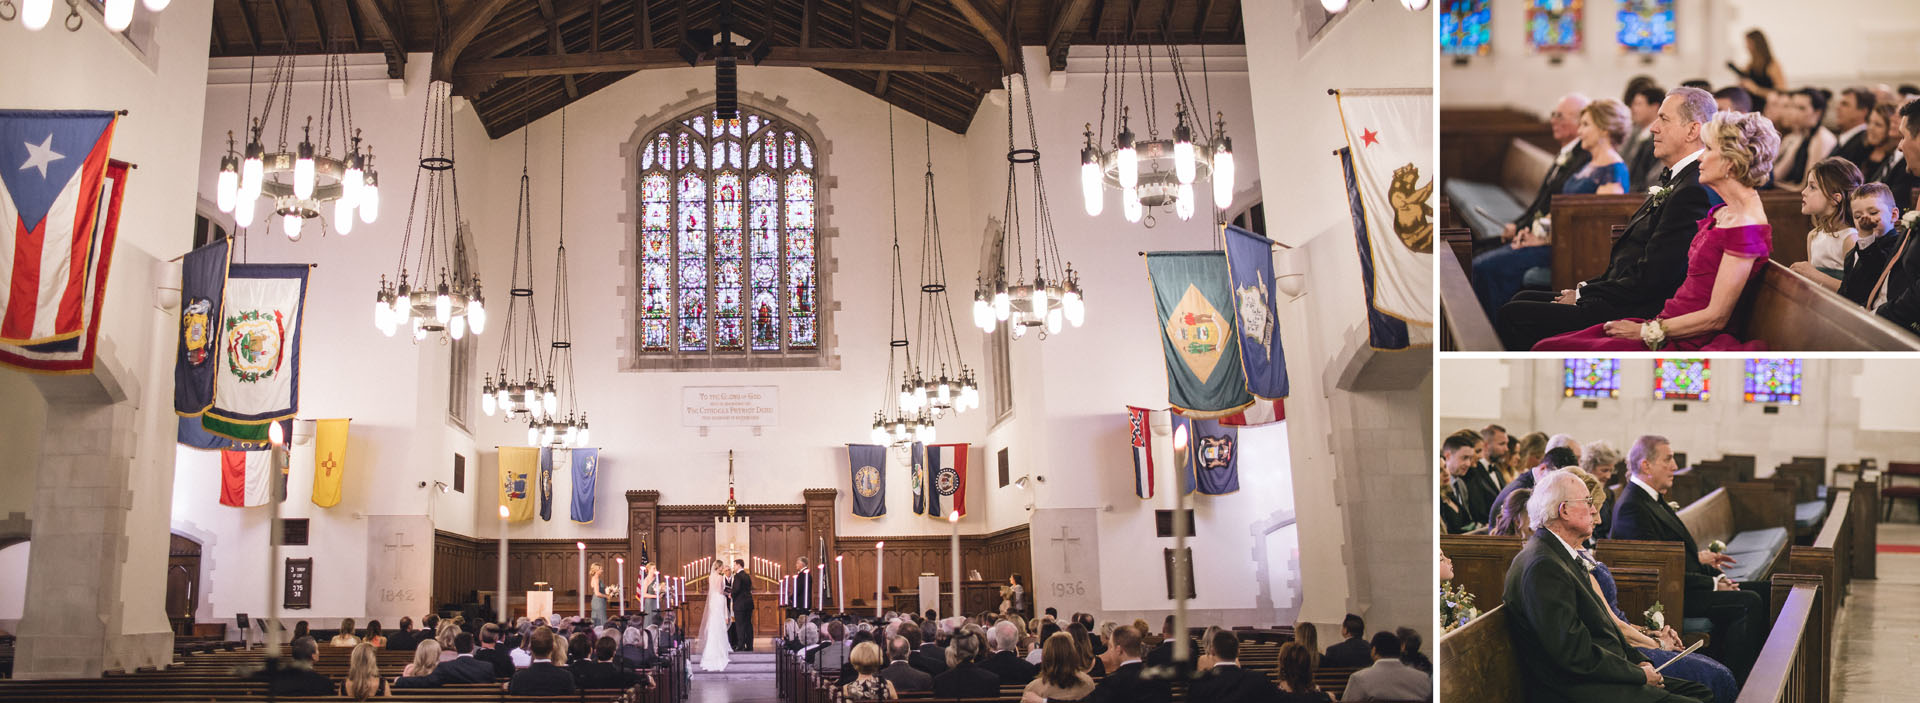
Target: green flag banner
{"x":1193,"y":296}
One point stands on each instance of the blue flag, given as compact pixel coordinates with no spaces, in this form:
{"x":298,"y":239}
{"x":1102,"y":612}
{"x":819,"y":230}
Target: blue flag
{"x":917,"y":475}
{"x":1216,"y":457}
{"x":868,"y":463}
{"x":1250,"y":269}
{"x":1383,"y":331}
{"x":930,"y":467}
{"x":586,"y":466}
{"x":203,"y":283}
{"x":546,"y":484}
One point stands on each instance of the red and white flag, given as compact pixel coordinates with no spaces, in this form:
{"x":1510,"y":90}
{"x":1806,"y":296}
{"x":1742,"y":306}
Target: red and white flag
{"x":52,"y":168}
{"x":947,"y":465}
{"x":244,"y":478}
{"x":1139,"y":427}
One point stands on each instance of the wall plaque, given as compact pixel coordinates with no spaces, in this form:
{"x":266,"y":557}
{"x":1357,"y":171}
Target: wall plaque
{"x":299,"y":582}
{"x":729,"y":406}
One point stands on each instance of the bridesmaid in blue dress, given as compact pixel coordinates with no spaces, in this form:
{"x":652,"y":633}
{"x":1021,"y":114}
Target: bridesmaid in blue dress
{"x":1500,"y":273}
{"x":1697,"y":667}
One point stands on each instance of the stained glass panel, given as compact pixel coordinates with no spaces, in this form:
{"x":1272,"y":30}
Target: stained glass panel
{"x":646,"y":159}
{"x":786,"y":160}
{"x":656,"y":255}
{"x":1682,"y":379}
{"x":684,"y":152}
{"x":726,"y":258}
{"x":799,"y":201}
{"x":753,"y":156}
{"x":699,"y":123}
{"x":1554,"y":25}
{"x":1591,"y":378}
{"x":1773,"y":381}
{"x":1464,"y":28}
{"x":806,"y":155}
{"x":1646,"y":26}
{"x":693,"y":261}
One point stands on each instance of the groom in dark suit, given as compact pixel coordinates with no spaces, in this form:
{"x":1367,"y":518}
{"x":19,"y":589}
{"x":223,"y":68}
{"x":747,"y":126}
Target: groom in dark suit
{"x":742,"y":593}
{"x":1649,"y":262}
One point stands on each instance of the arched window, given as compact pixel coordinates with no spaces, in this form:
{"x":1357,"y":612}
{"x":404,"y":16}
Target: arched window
{"x":728,"y":243}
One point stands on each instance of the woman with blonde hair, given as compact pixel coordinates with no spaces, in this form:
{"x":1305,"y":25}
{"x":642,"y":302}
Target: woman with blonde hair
{"x":425,"y":658}
{"x":1308,"y":636}
{"x":599,"y":595}
{"x":1060,"y":676}
{"x":1726,"y":255}
{"x":363,"y":674}
{"x":448,"y":630}
{"x":1530,"y":451}
{"x":866,"y":685}
{"x":345,"y":638}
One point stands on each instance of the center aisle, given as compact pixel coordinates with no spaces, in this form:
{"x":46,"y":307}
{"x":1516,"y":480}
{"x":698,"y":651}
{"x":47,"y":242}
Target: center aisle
{"x":1875,"y":641}
{"x":749,"y":677}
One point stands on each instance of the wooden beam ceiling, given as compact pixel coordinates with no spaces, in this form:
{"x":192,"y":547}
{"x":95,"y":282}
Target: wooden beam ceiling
{"x":643,"y":59}
{"x":558,"y":45}
{"x":457,"y":39}
{"x":990,"y":29}
{"x":387,"y":29}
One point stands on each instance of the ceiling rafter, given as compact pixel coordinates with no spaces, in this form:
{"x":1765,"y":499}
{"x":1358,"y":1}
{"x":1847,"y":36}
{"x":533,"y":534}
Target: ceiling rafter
{"x":462,"y":34}
{"x":1060,"y":31}
{"x":893,"y":42}
{"x":558,"y":44}
{"x":386,"y":28}
{"x":989,"y":29}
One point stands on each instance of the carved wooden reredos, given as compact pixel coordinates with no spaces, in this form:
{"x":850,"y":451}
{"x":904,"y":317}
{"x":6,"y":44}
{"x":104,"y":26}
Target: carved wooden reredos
{"x":677,"y":534}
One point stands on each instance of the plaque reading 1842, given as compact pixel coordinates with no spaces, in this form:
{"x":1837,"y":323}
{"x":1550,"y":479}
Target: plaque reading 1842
{"x":299,"y":583}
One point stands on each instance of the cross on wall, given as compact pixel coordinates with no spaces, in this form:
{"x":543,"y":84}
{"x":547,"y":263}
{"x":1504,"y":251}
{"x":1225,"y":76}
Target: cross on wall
{"x":1067,"y":543}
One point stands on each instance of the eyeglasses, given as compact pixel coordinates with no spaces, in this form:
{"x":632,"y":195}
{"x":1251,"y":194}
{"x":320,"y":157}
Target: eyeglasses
{"x":1585,"y":501}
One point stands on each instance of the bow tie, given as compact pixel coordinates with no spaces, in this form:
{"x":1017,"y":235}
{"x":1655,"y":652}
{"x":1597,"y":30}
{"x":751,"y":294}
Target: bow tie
{"x":1666,"y":176}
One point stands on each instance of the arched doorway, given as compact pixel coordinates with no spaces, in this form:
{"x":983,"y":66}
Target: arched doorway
{"x":183,"y":583}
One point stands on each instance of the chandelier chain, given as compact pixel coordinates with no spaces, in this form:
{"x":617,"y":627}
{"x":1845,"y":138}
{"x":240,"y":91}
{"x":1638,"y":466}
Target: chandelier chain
{"x":560,"y":361}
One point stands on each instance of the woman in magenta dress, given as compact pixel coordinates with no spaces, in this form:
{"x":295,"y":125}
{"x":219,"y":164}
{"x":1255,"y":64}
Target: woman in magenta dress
{"x":1727,"y":253}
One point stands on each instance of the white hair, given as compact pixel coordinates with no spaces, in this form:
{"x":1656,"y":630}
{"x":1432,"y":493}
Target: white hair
{"x":1560,"y":440}
{"x":1004,"y":636}
{"x":1549,"y":493}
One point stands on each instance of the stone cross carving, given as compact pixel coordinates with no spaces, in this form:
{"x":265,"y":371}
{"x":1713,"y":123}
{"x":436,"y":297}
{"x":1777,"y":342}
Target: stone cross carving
{"x":1067,"y":543}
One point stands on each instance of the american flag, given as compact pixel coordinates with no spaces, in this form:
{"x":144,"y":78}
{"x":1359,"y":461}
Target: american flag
{"x":58,"y":235}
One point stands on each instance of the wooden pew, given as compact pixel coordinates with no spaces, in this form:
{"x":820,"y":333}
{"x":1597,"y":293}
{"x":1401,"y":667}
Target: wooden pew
{"x":1583,"y":239}
{"x":1463,"y":325}
{"x":1791,"y":313}
{"x":1741,"y":507}
{"x":1788,"y":668}
{"x":1644,"y":572}
{"x":1477,"y":662}
{"x":1474,"y":142}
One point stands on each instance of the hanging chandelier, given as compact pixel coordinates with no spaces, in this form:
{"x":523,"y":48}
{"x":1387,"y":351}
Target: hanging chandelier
{"x":451,"y":304}
{"x":572,"y":431}
{"x":954,"y":387}
{"x":532,"y":396}
{"x":308,"y":179}
{"x":1154,"y":172}
{"x":895,"y":422}
{"x":1052,"y":296}
{"x":34,"y":14}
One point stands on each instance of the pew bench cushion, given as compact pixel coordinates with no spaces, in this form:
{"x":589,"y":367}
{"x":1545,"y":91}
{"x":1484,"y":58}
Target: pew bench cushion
{"x":1485,"y":207}
{"x":1696,"y":625}
{"x":1809,"y":514}
{"x":1753,"y":551}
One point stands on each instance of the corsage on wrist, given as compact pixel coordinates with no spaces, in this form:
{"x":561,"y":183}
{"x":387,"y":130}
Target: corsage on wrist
{"x":1654,"y":334}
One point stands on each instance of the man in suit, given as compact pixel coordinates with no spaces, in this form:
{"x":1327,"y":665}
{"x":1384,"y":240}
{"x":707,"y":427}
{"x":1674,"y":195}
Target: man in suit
{"x":492,"y":653}
{"x":742,"y":606}
{"x":1124,"y":684}
{"x":1002,"y":640}
{"x":1896,"y":295}
{"x":1461,"y":508}
{"x":1351,"y":651}
{"x":1740,"y":616}
{"x":600,"y":672}
{"x":932,"y":657}
{"x":1555,"y":458}
{"x":404,"y":639}
{"x":966,"y":679}
{"x":1850,"y":115}
{"x":1646,"y":265}
{"x":295,"y":676}
{"x":1480,"y":481}
{"x":1566,"y":640}
{"x":1643,"y":103}
{"x":802,"y":589}
{"x":900,"y":672}
{"x":1388,"y":679}
{"x":464,"y":667}
{"x":1226,"y":681}
{"x":541,"y":677}
{"x":1565,"y":121}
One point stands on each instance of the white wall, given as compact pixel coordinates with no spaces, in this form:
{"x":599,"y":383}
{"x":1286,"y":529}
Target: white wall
{"x":1880,"y":46}
{"x":13,"y":584}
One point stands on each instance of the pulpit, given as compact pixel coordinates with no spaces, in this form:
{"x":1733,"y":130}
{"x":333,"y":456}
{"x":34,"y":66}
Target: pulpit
{"x":540,"y":605}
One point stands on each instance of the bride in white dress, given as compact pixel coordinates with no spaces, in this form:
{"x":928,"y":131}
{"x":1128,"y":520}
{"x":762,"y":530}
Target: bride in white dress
{"x":714,"y":648}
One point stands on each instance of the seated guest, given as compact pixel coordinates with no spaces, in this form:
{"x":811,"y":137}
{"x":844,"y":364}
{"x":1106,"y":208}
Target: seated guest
{"x":1873,"y":215}
{"x":1732,"y":98}
{"x":1493,"y":459}
{"x":867,"y":684}
{"x":635,"y":650}
{"x":964,"y":677}
{"x":419,"y":672}
{"x":1805,"y":139}
{"x":1548,"y":461}
{"x":1090,"y":663}
{"x":1296,"y":676}
{"x":1725,"y":258}
{"x":463,"y":667}
{"x":1308,"y":635}
{"x":599,"y":671}
{"x":1903,"y":175}
{"x":1643,"y":103}
{"x":345,"y":637}
{"x":300,"y":630}
{"x":1897,"y":296}
{"x":1513,"y":515}
{"x":1225,"y":680}
{"x":1499,"y":273}
{"x":1388,"y":679}
{"x":1481,"y":484}
{"x":517,"y":650}
{"x":1002,"y":642}
{"x":363,"y":674}
{"x":901,"y":674}
{"x":1528,"y":451}
{"x":932,"y":657}
{"x":1456,"y":457}
{"x":493,"y":653}
{"x":1061,"y":676}
{"x":1599,"y":462}
{"x":579,"y":648}
{"x":1037,"y":653}
{"x":1850,"y":113}
{"x":542,"y":677}
{"x":1410,"y":653}
{"x":1125,"y":684}
{"x":403,"y":639}
{"x":1565,"y":121}
{"x":1649,"y":262}
{"x":1567,"y":644}
{"x":374,"y":634}
{"x":832,"y":654}
{"x":444,"y":635}
{"x":1882,"y":152}
{"x":1351,"y":651}
{"x":295,"y":676}
{"x":1828,"y":199}
{"x":1740,"y":617}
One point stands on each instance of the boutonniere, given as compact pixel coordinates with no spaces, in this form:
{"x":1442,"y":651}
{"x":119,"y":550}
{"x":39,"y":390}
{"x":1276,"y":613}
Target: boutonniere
{"x":1658,"y":194}
{"x":1656,"y":615}
{"x":1907,"y":221}
{"x":1674,"y":504}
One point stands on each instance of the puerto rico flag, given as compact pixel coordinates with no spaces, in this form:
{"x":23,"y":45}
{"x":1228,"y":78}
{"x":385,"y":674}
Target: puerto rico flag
{"x":947,"y":468}
{"x":1140,"y":428}
{"x":56,"y":235}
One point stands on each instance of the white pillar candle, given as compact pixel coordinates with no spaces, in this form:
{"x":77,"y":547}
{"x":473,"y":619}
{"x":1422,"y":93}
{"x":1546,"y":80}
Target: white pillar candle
{"x":621,"y":563}
{"x":500,"y":599}
{"x":582,"y":548}
{"x":953,"y":519}
{"x":879,"y":580}
{"x":840,"y":583}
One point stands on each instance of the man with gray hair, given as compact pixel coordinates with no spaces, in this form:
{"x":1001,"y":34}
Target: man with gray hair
{"x":1565,"y":636}
{"x":1739,"y":612}
{"x":1599,"y":461}
{"x":1003,"y":639}
{"x":1565,"y":121}
{"x":1649,"y":262}
{"x":899,"y":672}
{"x":1563,"y":440}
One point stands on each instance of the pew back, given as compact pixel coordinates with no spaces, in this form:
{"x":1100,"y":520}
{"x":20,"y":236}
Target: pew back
{"x":1791,"y":313}
{"x":1477,"y":662}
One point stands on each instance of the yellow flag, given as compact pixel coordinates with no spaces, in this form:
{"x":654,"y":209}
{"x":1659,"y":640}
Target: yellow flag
{"x":329,"y":460}
{"x":517,"y":465}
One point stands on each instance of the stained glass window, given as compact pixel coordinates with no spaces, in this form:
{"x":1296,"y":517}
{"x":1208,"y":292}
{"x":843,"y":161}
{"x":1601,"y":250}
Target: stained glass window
{"x":727,"y":238}
{"x":1554,"y":25}
{"x":1646,"y":26}
{"x":1773,"y":381}
{"x":1682,"y":379}
{"x":1464,"y":28}
{"x":1592,"y":378}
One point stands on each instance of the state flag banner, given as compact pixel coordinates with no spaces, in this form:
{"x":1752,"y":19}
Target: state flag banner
{"x":190,"y":434}
{"x":947,"y":466}
{"x":517,"y":466}
{"x":203,"y":283}
{"x":35,"y":289}
{"x":868,"y":464}
{"x":1216,"y":457}
{"x":546,"y":482}
{"x":1139,"y":428}
{"x":1192,"y":296}
{"x":1390,"y":180}
{"x":917,"y":476}
{"x":585,"y":465}
{"x":257,"y":358}
{"x":329,"y":460}
{"x":1250,"y":272}
{"x":245,"y":478}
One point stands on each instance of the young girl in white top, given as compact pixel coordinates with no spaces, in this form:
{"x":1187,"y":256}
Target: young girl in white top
{"x":1827,"y":198}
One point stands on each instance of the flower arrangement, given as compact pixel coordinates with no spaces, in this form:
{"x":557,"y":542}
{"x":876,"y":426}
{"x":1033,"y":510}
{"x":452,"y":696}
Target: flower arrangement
{"x":1656,"y":616}
{"x":1456,"y":606}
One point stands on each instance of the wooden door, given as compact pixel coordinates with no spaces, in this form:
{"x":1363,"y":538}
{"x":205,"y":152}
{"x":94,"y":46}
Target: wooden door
{"x":183,"y":583}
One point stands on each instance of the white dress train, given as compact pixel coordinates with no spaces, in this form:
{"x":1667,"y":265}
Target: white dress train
{"x":714,"y":648}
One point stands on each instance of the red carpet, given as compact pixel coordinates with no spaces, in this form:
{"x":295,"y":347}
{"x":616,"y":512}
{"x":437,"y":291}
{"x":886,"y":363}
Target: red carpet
{"x":1899,"y":549}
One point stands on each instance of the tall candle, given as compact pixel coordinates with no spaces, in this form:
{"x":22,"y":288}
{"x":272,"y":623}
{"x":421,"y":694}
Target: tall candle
{"x":953,"y":518}
{"x":840,"y":583}
{"x":500,"y":599}
{"x":622,"y":566}
{"x":879,"y":580}
{"x":582,"y":547}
